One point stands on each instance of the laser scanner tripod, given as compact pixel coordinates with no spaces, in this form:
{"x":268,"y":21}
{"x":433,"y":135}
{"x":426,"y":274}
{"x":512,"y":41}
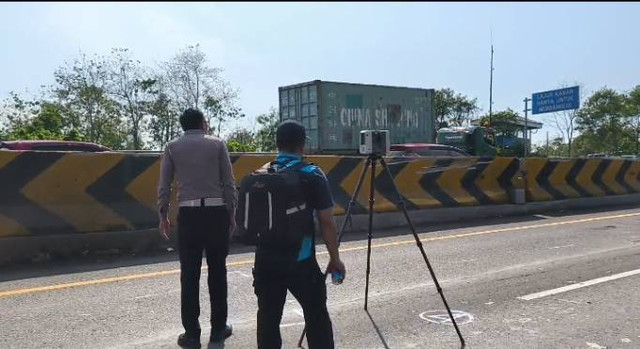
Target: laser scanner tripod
{"x":372,"y":160}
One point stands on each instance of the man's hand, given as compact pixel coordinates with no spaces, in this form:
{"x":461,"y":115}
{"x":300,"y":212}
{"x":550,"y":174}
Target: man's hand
{"x":165,"y":228}
{"x":337,"y":265}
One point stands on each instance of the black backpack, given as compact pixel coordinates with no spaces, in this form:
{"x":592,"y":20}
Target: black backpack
{"x":272,"y":206}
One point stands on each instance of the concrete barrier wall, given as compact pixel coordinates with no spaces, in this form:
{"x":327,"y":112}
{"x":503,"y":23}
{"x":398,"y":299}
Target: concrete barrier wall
{"x":559,"y":179}
{"x":52,"y":193}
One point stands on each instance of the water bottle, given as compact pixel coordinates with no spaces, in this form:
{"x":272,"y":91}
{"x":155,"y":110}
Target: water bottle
{"x":337,"y":277}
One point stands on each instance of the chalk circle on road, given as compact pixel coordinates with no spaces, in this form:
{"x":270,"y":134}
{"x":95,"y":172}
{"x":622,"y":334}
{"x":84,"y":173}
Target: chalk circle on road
{"x":441,"y":317}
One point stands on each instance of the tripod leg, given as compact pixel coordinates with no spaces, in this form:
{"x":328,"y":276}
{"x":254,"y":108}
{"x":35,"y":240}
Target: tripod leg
{"x":343,"y":227}
{"x":424,"y":254}
{"x":372,"y":200}
{"x":352,"y":202}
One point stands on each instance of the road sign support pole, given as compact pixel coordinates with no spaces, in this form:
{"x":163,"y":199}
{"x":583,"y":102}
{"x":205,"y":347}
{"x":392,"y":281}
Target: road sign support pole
{"x":637,"y":135}
{"x":526,"y":125}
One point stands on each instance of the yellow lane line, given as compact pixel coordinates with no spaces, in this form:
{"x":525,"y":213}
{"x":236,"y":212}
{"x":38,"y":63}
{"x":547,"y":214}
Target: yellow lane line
{"x":246,"y":262}
{"x":487,"y":232}
{"x":105,"y":280}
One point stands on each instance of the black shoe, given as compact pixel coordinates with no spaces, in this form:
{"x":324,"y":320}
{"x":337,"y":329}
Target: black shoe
{"x":220,"y":335}
{"x":189,"y":342}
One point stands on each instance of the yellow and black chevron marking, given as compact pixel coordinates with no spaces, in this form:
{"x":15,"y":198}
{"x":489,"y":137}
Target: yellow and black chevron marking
{"x":449,"y":182}
{"x":557,"y":179}
{"x":47,"y":193}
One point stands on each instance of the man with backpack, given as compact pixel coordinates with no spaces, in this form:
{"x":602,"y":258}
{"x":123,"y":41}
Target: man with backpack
{"x":279,"y":204}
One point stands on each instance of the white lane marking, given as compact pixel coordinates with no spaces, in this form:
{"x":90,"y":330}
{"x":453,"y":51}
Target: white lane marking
{"x":568,"y":301}
{"x":146,"y":296}
{"x":442,"y":318}
{"x":595,"y":346}
{"x":557,"y":247}
{"x":244,"y":275}
{"x":296,"y":307}
{"x":542,"y":216}
{"x":292,"y":324}
{"x":579,"y":285}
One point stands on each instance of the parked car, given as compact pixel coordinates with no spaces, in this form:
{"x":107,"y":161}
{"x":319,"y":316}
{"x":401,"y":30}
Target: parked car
{"x":426,"y":150}
{"x":630,"y":157}
{"x":52,"y":146}
{"x":597,"y":155}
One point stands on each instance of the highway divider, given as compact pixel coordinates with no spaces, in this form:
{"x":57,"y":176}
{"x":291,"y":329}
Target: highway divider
{"x":560,"y":179}
{"x":57,"y":193}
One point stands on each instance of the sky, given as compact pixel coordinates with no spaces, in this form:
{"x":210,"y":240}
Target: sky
{"x":261,"y":46}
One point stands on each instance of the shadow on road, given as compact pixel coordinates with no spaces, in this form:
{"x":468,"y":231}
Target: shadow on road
{"x":219,"y":345}
{"x":104,"y":260}
{"x":382,"y":340}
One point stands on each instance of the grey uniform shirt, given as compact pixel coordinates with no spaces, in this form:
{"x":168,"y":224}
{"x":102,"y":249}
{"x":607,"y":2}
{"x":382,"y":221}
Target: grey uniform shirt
{"x":202,"y":168}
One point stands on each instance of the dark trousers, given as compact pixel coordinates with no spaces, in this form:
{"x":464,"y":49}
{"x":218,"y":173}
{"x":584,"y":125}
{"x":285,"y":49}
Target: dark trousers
{"x":203,"y":229}
{"x":306,"y":283}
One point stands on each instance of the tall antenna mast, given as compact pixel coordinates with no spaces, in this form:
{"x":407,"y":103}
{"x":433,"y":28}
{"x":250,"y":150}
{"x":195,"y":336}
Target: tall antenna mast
{"x":491,"y":82}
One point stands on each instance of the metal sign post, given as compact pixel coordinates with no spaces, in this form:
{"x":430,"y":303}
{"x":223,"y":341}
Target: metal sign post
{"x":637,"y":135}
{"x":526,"y":124}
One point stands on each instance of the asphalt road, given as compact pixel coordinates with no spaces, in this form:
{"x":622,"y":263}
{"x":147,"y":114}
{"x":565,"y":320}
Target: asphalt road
{"x":562,"y":281}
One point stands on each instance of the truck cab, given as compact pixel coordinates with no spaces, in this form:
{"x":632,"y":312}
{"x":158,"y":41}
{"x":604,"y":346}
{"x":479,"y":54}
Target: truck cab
{"x":475,"y":140}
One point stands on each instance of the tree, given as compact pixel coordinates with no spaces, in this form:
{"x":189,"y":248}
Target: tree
{"x":192,"y":83}
{"x":117,"y":101}
{"x":221,"y":110}
{"x":634,"y":103}
{"x":164,"y":120}
{"x":134,"y":89}
{"x":504,"y":122}
{"x":82,"y":90}
{"x":36,"y":119}
{"x":557,"y":148}
{"x":452,"y":109}
{"x":565,"y":122}
{"x":605,"y":122}
{"x":266,"y":134}
{"x":241,"y":140}
{"x":16,"y":112}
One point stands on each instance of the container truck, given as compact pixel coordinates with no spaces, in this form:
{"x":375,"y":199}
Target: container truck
{"x":334,"y":113}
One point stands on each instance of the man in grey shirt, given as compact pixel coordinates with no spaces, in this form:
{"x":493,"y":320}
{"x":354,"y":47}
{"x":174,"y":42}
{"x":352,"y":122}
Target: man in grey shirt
{"x":207,"y":198}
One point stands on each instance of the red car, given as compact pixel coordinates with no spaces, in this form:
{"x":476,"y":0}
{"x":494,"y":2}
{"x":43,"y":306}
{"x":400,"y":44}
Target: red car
{"x":52,"y":146}
{"x":426,"y":150}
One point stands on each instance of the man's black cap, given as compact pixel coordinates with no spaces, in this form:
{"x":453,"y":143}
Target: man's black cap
{"x":290,"y":134}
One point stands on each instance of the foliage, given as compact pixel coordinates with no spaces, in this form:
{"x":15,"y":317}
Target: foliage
{"x":241,"y":140}
{"x":82,"y":90}
{"x":605,"y":123}
{"x":556,"y":148}
{"x":503,"y":122}
{"x":452,"y":109}
{"x":119,"y":102}
{"x":266,"y":134}
{"x":192,"y":83}
{"x":565,"y":122}
{"x":36,"y":120}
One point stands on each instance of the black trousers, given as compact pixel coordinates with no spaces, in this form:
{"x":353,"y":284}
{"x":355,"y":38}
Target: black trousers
{"x":306,"y":283}
{"x":203,"y":229}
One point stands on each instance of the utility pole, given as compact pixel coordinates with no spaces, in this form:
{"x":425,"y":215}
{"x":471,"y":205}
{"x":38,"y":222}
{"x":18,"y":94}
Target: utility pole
{"x":637,"y":135}
{"x":547,"y":141}
{"x":526,"y":125}
{"x":491,"y":88}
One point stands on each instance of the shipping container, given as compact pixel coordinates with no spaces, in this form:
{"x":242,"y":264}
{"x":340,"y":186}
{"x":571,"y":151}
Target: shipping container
{"x":334,"y":113}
